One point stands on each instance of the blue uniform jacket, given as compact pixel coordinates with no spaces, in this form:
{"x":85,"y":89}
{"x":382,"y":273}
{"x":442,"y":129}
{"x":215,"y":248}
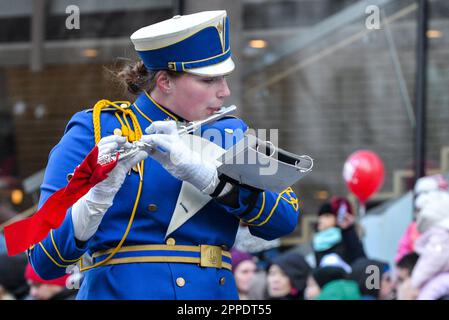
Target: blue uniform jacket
{"x":273,"y":215}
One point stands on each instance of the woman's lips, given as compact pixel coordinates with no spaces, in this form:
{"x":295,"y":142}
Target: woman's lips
{"x":213,"y":110}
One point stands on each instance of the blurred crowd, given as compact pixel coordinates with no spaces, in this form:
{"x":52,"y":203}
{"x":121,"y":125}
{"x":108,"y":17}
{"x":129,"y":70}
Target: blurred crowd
{"x":332,"y":266}
{"x":18,"y":281}
{"x":335,"y":266}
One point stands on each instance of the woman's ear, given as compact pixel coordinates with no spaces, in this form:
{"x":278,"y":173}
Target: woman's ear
{"x":164,"y":82}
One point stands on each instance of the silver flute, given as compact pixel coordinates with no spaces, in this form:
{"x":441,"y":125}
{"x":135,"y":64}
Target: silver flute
{"x":189,"y":127}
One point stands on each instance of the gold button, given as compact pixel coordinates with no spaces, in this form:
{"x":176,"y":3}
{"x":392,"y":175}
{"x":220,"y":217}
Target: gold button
{"x":152,"y":207}
{"x":222,"y":280}
{"x":124,"y":105}
{"x":180,"y":282}
{"x":117,"y":132}
{"x":229,"y":130}
{"x":170,"y":242}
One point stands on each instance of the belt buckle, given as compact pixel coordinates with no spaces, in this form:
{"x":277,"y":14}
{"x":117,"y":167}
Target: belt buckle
{"x":210,"y":256}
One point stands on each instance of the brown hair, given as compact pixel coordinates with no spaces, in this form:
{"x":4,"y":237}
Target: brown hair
{"x":135,"y":77}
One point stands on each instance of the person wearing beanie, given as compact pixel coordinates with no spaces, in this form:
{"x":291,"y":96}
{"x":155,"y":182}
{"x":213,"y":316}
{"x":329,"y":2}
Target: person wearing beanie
{"x":244,"y":269}
{"x":287,"y":277}
{"x":336,"y":232}
{"x":12,"y":282}
{"x":331,"y":283}
{"x":324,"y":275}
{"x":319,"y":277}
{"x":375,"y":273}
{"x":41,"y":289}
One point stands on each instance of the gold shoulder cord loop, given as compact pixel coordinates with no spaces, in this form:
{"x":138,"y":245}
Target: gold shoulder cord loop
{"x":137,"y":135}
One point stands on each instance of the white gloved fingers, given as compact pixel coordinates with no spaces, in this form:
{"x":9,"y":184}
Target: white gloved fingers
{"x":161,"y":157}
{"x":202,"y":174}
{"x":163,"y":141}
{"x":162,"y":127}
{"x":127,"y":164}
{"x":178,"y":159}
{"x":107,"y":148}
{"x":112,"y":138}
{"x":110,"y":144}
{"x":135,"y":159}
{"x":88,"y":211}
{"x":146,"y":138}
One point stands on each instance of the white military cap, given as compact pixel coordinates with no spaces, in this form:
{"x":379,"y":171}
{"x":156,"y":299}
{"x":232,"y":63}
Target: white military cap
{"x":196,"y":43}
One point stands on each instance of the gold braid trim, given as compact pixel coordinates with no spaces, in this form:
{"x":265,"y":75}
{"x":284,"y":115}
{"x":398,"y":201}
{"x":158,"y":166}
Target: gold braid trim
{"x":137,"y":135}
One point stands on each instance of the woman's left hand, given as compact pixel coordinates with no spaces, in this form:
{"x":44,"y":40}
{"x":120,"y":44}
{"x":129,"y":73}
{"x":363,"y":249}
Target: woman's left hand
{"x":176,"y":157}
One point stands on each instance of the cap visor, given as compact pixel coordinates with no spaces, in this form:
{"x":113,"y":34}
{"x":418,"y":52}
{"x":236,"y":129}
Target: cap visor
{"x":219,"y":69}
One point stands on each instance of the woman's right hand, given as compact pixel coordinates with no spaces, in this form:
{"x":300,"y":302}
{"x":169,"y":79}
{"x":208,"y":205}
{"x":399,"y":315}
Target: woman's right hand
{"x":105,"y":191}
{"x":89,"y":210}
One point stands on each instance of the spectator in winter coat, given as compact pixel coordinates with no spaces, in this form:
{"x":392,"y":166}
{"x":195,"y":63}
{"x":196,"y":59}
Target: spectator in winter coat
{"x":437,"y":288}
{"x":340,"y":290}
{"x":336,"y":232}
{"x":287,"y":277}
{"x":407,"y":241}
{"x":331,"y":283}
{"x":41,"y":289}
{"x":423,"y":186}
{"x":403,"y":273}
{"x":373,"y":278}
{"x":405,"y":266}
{"x":433,"y":247}
{"x":320,"y":277}
{"x":12,"y":282}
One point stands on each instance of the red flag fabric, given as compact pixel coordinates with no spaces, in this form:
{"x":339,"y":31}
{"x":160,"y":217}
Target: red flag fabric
{"x":20,"y":235}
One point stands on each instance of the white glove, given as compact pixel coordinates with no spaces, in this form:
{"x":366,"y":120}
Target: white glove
{"x":176,"y":157}
{"x":89,"y":210}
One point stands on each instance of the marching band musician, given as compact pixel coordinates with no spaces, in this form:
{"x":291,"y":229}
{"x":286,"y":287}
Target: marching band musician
{"x":123,"y":223}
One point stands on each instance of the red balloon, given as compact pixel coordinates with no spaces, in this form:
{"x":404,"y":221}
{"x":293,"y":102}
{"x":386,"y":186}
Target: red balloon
{"x":364,"y":174}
